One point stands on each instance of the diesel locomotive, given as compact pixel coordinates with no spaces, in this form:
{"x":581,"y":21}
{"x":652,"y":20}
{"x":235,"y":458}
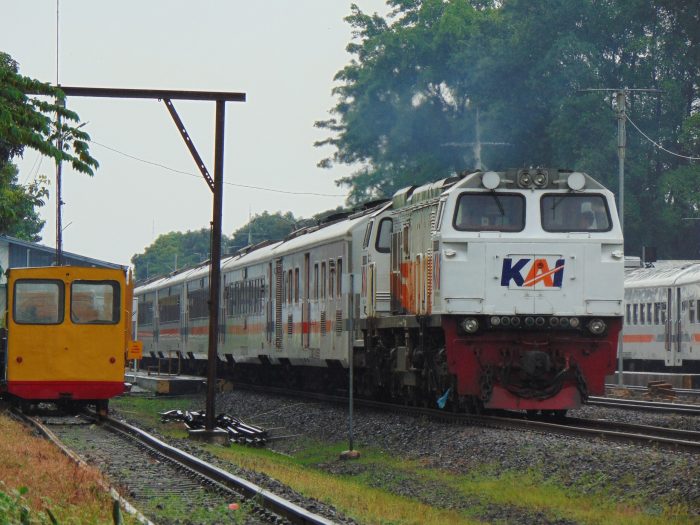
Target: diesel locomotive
{"x":501,"y":290}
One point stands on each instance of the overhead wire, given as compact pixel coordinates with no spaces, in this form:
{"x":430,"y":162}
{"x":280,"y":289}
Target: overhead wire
{"x":190,"y":174}
{"x":657,"y":144}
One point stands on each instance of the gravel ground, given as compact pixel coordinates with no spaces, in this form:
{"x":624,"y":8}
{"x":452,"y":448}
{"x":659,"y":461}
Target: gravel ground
{"x":649,"y":475}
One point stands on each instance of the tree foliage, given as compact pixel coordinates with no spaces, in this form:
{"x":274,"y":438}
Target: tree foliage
{"x":407,"y":102}
{"x":173,"y":251}
{"x":28,"y":110}
{"x":18,"y":215}
{"x":262,"y":227}
{"x":28,"y":121}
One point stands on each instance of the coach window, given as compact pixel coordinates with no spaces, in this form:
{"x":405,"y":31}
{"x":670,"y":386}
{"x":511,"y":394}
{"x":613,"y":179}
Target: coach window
{"x":635,"y":314}
{"x":290,"y":286}
{"x":316,"y":281}
{"x":38,"y":302}
{"x":649,"y":320}
{"x":296,"y":285}
{"x":493,"y":211}
{"x":575,"y":212}
{"x":145,"y":310}
{"x":331,"y":278}
{"x":691,"y":311}
{"x":97,"y":302}
{"x":323,"y":280}
{"x":628,"y":317}
{"x":383,"y":242}
{"x":642,"y":317}
{"x":339,"y":288}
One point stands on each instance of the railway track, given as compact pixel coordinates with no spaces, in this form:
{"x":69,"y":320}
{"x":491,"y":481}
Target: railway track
{"x":649,"y":406}
{"x":681,"y":440}
{"x":152,"y":470}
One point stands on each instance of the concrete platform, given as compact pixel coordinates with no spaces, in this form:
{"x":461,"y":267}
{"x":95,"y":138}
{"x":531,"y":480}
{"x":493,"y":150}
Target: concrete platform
{"x":643,"y":378}
{"x":166,"y":384}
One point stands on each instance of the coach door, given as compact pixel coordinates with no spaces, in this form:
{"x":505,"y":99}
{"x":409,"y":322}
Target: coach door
{"x":269,"y":325}
{"x":674,"y":327}
{"x":279,"y":294}
{"x":305,"y":302}
{"x":685,"y":324}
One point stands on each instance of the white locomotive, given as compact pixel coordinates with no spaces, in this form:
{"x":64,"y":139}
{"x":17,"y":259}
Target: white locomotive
{"x":502,"y":290}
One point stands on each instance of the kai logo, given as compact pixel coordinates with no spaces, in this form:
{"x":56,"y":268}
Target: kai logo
{"x":532,"y":272}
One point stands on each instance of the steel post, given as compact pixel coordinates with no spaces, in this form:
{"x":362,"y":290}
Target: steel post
{"x":215,"y":271}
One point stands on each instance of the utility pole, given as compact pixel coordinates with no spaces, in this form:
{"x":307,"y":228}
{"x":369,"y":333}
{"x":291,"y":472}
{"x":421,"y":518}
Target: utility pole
{"x":621,"y":103}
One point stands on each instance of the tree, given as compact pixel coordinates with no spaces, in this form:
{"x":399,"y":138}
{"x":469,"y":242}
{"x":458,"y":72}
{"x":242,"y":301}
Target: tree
{"x":18,"y":215}
{"x":28,"y":122}
{"x":407,"y":101}
{"x":264,"y":227}
{"x":173,"y":251}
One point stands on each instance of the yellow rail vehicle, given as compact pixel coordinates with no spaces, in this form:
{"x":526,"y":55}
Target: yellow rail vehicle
{"x":67,"y":329}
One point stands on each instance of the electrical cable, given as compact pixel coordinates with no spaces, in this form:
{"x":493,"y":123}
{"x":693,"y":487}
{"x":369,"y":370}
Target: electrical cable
{"x":659,"y":145}
{"x":249,"y":186}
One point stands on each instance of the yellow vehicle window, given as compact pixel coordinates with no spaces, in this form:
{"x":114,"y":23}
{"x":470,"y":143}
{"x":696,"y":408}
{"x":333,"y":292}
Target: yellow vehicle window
{"x":38,"y":302}
{"x":94,"y":302}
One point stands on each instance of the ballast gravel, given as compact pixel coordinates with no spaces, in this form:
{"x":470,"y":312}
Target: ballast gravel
{"x":646,"y":475}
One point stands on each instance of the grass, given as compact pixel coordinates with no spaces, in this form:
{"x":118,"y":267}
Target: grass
{"x":147,"y":409}
{"x":36,"y":476}
{"x":381,"y":489}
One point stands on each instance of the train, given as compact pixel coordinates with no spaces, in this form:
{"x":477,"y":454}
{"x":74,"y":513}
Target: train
{"x":662,"y":318}
{"x":483,"y":290}
{"x":65,"y":335}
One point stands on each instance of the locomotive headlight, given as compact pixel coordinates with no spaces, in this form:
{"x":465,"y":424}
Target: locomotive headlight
{"x":576,"y":181}
{"x":597,"y":326}
{"x":574,"y":322}
{"x":540,"y":179}
{"x":524,"y":179}
{"x":495,"y":320}
{"x":491,"y":180}
{"x":470,"y":325}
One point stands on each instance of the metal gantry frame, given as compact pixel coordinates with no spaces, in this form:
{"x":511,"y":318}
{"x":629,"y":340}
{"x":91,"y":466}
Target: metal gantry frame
{"x":215,"y":184}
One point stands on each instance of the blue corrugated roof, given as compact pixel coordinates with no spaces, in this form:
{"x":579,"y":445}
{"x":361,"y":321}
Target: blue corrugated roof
{"x":46,"y":249}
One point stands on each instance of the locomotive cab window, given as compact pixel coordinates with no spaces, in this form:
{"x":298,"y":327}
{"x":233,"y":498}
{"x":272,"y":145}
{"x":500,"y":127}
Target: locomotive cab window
{"x":383,"y":242}
{"x":493,"y":211}
{"x":95,"y":302}
{"x":38,"y":301}
{"x":575,"y":213}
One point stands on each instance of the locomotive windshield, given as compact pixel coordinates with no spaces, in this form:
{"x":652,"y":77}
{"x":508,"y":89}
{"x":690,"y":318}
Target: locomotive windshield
{"x":490,"y":212}
{"x":575,"y":212}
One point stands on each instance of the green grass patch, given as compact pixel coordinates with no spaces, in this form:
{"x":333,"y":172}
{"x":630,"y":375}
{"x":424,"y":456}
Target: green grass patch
{"x":147,"y":409}
{"x":384,"y":489}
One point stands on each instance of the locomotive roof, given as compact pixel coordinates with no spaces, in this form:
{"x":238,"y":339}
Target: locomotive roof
{"x":664,"y":273}
{"x":412,"y":195}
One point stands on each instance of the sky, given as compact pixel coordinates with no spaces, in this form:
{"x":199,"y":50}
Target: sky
{"x":282,"y":54}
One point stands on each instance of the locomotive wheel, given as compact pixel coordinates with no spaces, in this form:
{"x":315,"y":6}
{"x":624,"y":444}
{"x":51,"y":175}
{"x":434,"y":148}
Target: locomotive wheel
{"x":102,"y":407}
